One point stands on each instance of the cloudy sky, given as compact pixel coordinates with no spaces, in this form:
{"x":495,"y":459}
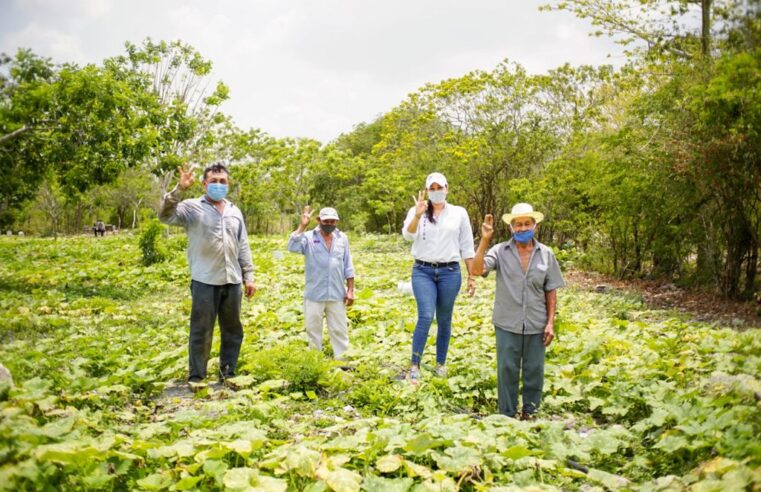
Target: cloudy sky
{"x":312,"y":68}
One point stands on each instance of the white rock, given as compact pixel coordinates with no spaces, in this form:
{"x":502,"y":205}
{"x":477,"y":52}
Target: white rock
{"x":404,"y":287}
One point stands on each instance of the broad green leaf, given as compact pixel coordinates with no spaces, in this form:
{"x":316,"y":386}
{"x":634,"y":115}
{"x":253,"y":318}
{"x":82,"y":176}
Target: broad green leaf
{"x":516,"y":452}
{"x":609,"y":480}
{"x":341,"y":479}
{"x":421,"y":443}
{"x":458,"y":459}
{"x":302,"y":460}
{"x":239,"y":478}
{"x":373,"y":483}
{"x":389,"y":463}
{"x":156,"y":481}
{"x":68,"y":453}
{"x":187,"y":483}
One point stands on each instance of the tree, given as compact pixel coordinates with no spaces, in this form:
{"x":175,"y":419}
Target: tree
{"x":85,"y":124}
{"x":180,"y":79}
{"x":663,"y":26}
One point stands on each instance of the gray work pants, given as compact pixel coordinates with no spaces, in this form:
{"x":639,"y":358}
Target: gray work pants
{"x":518,"y":353}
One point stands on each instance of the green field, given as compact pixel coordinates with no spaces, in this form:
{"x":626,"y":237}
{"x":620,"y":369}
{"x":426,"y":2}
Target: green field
{"x":96,"y":342}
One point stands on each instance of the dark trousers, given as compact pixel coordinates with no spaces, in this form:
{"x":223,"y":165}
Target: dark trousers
{"x":210,"y":302}
{"x":515,"y":354}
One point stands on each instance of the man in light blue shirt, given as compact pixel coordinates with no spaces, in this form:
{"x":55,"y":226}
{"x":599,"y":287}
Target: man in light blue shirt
{"x":328,"y":266}
{"x":220,"y":267}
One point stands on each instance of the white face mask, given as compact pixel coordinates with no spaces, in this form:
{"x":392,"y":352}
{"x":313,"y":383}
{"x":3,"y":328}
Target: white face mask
{"x":437,"y":196}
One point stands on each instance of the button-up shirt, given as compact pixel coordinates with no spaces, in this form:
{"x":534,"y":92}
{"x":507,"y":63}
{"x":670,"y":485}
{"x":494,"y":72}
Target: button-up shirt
{"x":449,"y":239}
{"x":218,"y":249}
{"x":520,"y":300}
{"x":326,"y":269}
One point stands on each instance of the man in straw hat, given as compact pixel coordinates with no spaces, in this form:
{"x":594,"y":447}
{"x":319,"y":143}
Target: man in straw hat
{"x":524,"y":306}
{"x":328,"y":266}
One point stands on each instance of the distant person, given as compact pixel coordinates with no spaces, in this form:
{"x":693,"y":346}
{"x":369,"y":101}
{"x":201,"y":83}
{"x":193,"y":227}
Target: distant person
{"x":328,"y":266}
{"x":441,"y":236}
{"x":528,"y":276}
{"x":219,"y":257}
{"x":100,"y":228}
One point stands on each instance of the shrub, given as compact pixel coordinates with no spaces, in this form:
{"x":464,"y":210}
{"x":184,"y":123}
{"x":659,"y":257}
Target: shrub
{"x":304,"y":369}
{"x":150,"y":243}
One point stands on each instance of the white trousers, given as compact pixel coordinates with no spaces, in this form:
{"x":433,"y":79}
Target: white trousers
{"x":338,"y":330}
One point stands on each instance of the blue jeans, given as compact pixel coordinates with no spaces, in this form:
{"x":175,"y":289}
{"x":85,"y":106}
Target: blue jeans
{"x":435,"y":289}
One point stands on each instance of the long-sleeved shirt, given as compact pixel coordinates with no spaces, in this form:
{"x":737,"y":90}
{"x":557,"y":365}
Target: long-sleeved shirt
{"x":520,"y":304}
{"x":218,"y":249}
{"x":326,"y":269}
{"x":449,"y":239}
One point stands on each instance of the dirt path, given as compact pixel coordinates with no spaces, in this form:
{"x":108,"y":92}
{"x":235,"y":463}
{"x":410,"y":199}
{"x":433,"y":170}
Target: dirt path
{"x":701,"y":305}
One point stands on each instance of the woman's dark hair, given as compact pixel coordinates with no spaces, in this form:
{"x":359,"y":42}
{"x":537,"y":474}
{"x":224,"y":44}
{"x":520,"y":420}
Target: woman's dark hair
{"x":217,"y":167}
{"x":429,"y":212}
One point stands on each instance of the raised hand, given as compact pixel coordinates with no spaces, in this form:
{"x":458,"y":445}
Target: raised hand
{"x":487,"y":228}
{"x":421,"y":204}
{"x":306,"y":216}
{"x":186,"y":176}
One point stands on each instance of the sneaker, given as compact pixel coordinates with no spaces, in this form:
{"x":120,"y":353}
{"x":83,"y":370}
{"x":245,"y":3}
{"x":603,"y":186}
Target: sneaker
{"x":415,"y":376}
{"x":441,"y":371}
{"x":527,"y":416}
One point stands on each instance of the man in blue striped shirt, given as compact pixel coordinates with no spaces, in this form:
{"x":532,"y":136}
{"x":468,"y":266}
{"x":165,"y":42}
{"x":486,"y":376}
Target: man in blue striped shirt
{"x":328,"y":266}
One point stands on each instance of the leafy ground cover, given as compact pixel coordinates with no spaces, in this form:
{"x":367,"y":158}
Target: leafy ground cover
{"x":96,"y":342}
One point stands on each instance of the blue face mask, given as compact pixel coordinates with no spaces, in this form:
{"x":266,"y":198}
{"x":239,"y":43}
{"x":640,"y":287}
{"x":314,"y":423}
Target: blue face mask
{"x":216,"y":191}
{"x":524,"y":236}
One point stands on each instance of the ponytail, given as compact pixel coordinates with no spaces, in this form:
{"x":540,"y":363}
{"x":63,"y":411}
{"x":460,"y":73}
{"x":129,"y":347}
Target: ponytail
{"x":429,"y":212}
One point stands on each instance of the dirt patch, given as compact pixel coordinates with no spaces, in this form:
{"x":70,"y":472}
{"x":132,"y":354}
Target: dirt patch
{"x":700,"y":304}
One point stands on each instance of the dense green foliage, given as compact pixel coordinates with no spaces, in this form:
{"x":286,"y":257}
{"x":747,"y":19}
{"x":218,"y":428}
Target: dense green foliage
{"x":648,"y":170}
{"x":150,"y":243}
{"x":95,"y":340}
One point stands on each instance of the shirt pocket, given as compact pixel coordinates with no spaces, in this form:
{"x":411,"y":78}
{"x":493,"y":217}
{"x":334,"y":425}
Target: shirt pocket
{"x":537,"y":276}
{"x":339,"y":251}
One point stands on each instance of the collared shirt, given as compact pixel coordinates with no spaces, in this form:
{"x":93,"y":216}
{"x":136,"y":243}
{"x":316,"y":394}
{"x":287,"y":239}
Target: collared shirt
{"x":218,"y":249}
{"x":449,"y":239}
{"x":326,"y":269}
{"x":520,"y":297}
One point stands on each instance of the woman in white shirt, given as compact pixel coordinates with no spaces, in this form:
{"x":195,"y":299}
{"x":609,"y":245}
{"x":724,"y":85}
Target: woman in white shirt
{"x":441,"y":236}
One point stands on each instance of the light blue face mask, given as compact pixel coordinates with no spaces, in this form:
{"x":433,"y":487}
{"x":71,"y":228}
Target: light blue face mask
{"x":524,"y":236}
{"x":216,"y":191}
{"x":437,"y":196}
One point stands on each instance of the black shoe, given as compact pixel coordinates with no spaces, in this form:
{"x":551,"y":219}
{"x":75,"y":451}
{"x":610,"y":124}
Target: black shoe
{"x":196,"y":384}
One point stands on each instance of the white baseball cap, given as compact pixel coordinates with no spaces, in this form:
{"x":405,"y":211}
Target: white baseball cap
{"x":435,"y":178}
{"x":328,"y":213}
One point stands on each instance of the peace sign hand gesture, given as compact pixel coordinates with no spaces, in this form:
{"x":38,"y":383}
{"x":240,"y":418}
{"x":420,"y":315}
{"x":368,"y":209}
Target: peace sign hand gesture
{"x":487,"y":228}
{"x":306,"y":216}
{"x":186,"y":176}
{"x":421,"y":204}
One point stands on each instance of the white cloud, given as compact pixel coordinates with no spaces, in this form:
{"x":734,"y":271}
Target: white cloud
{"x":47,"y":42}
{"x":308,"y":68}
{"x":92,"y":9}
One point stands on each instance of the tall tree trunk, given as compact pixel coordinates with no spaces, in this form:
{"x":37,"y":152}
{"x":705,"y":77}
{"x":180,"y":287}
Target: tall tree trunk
{"x":705,"y":33}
